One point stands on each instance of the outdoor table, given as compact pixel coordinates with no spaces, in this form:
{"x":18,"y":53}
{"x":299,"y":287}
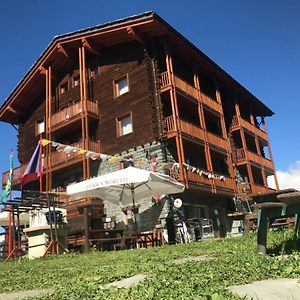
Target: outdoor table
{"x":288,"y":207}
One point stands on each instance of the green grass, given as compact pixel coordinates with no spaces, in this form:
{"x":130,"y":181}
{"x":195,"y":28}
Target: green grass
{"x":81,"y":276}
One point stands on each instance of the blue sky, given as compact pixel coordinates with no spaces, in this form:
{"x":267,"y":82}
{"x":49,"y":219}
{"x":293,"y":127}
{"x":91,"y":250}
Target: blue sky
{"x":257,"y":42}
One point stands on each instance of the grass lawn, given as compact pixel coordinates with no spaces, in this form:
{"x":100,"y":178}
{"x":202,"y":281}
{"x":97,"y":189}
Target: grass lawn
{"x":82,"y":276}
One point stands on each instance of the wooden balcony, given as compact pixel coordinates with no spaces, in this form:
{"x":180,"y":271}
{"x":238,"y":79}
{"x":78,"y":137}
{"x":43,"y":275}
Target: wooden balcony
{"x":259,"y":189}
{"x":227,"y":184}
{"x":217,"y":140}
{"x":17,"y":176}
{"x":185,"y":87}
{"x":189,"y":90}
{"x":179,"y":83}
{"x":169,"y":126}
{"x":195,"y":178}
{"x":240,"y":156}
{"x":260,"y":160}
{"x":72,"y":113}
{"x":239,"y":122}
{"x":62,"y":159}
{"x":211,"y":103}
{"x":164,"y":81}
{"x":58,"y":160}
{"x":185,"y":127}
{"x":244,"y":189}
{"x":194,"y":131}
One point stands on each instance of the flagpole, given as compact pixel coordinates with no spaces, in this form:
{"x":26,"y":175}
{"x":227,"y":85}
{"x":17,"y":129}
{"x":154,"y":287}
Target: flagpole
{"x":10,"y":211}
{"x":41,"y":164}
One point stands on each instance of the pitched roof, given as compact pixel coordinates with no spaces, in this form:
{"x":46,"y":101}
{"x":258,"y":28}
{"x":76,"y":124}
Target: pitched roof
{"x":149,"y":23}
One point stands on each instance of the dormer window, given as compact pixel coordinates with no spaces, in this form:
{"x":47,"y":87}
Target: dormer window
{"x":64,"y":87}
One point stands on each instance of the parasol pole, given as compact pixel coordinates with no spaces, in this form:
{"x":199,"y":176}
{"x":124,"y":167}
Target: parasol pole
{"x":133,"y":202}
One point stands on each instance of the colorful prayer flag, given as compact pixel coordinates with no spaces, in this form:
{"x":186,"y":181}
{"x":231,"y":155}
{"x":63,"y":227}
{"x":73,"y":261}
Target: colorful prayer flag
{"x":8,"y":186}
{"x":34,"y":168}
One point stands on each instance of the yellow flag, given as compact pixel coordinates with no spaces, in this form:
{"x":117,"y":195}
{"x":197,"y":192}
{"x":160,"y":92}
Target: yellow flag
{"x":82,"y":151}
{"x":45,"y":142}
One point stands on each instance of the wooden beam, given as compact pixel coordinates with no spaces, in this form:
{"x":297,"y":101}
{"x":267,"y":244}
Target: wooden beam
{"x":14,"y":111}
{"x":89,"y":46}
{"x":54,"y":75}
{"x":42,"y":70}
{"x":63,"y":50}
{"x":133,"y":33}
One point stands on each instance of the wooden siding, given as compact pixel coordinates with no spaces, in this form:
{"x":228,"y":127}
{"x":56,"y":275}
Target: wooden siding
{"x":28,"y":138}
{"x":120,"y":61}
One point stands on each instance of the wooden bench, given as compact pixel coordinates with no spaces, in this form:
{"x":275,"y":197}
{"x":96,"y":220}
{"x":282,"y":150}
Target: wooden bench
{"x":272,"y":210}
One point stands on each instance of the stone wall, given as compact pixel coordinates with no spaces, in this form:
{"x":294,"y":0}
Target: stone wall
{"x":151,"y":212}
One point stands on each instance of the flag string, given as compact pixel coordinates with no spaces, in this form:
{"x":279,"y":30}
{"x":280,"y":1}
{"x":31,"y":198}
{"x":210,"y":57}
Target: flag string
{"x":174,"y":167}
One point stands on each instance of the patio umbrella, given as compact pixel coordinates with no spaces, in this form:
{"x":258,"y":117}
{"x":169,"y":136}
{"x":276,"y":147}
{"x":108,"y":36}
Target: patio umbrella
{"x":126,"y":186}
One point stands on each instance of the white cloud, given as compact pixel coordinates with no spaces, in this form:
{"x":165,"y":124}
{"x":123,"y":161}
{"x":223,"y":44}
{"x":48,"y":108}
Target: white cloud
{"x":287,"y":179}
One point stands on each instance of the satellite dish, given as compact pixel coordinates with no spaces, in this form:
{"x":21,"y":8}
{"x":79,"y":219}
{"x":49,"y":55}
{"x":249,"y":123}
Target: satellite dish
{"x":177,"y":203}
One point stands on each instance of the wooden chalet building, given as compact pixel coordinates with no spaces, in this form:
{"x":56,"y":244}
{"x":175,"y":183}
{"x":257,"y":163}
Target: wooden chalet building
{"x":137,"y":89}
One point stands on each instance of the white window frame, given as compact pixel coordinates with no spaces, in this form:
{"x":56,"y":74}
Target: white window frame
{"x":124,"y":129}
{"x":119,"y":91}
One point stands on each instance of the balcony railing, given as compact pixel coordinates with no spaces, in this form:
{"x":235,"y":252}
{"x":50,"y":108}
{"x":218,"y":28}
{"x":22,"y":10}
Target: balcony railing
{"x":211,"y":103}
{"x":17,"y":175}
{"x":169,"y":124}
{"x":164,"y":80}
{"x":260,"y":160}
{"x":189,"y":90}
{"x":59,"y":158}
{"x":227,"y":184}
{"x":241,"y":156}
{"x":73,"y":111}
{"x":244,"y":189}
{"x":194,"y":177}
{"x":217,"y":140}
{"x":259,"y":189}
{"x":239,"y":122}
{"x":192,"y":130}
{"x":185,"y":127}
{"x":185,"y":87}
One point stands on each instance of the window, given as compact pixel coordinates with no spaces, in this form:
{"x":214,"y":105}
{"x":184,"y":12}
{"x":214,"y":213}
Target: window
{"x":64,"y":87}
{"x":40,"y":126}
{"x":124,"y":125}
{"x":76,"y":81}
{"x":94,"y":72}
{"x":121,"y":86}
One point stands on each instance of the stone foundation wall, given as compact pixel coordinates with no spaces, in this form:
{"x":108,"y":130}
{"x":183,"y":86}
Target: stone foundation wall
{"x":151,"y":211}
